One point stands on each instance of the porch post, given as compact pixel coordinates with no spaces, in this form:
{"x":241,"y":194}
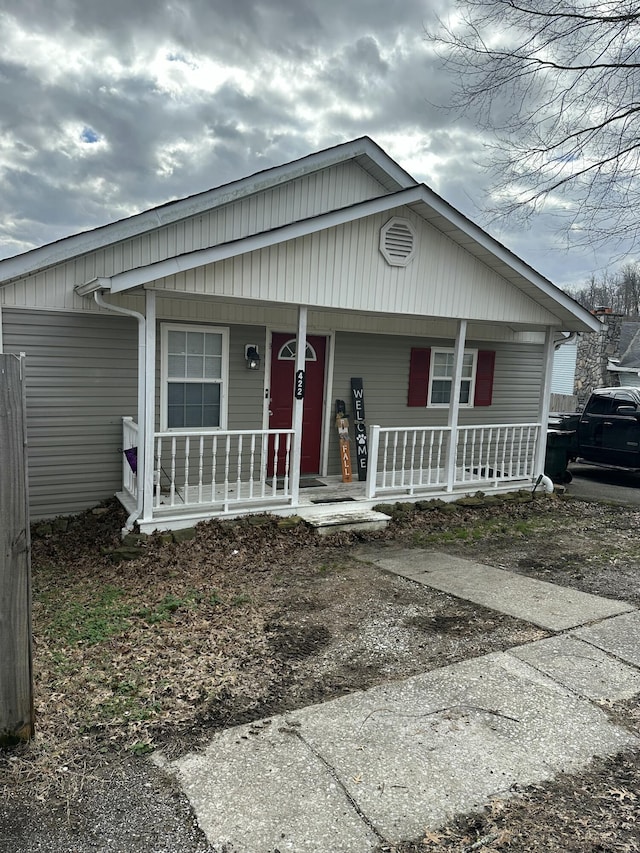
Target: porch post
{"x":150,"y":404}
{"x":454,"y":403}
{"x":298,"y":405}
{"x":545,"y":401}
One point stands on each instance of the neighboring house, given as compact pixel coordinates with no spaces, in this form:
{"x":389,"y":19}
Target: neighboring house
{"x":564,"y":367}
{"x":625,"y":370}
{"x":176,"y":335}
{"x":608,"y":357}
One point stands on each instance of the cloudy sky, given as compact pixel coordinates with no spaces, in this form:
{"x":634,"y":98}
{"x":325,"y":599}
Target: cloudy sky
{"x":108,"y":107}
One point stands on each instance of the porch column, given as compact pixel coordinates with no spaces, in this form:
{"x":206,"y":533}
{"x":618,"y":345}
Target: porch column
{"x":298,"y":405}
{"x":454,"y":403}
{"x":545,"y":400}
{"x":150,"y":405}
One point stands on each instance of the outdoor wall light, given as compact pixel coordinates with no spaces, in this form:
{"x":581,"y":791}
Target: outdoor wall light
{"x":252,"y":356}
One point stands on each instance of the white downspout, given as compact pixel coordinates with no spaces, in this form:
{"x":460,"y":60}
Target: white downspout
{"x":142,"y":359}
{"x":149,"y":404}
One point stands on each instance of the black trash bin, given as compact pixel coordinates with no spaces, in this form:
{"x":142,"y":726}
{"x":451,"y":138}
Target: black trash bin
{"x":556,"y":460}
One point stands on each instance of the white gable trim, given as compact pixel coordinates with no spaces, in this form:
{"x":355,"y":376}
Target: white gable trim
{"x":424,"y":203}
{"x":172,"y":266}
{"x":156,"y":217}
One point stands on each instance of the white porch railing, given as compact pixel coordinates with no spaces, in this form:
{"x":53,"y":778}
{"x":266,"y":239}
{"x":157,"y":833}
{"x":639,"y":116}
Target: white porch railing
{"x":221,"y":469}
{"x":217,"y":470}
{"x":410,"y":460}
{"x":129,"y":457}
{"x":406,"y":459}
{"x":496,"y":453}
{"x":232,"y":470}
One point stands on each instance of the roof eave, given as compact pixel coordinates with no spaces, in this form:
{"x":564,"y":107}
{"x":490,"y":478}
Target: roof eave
{"x":67,"y":248}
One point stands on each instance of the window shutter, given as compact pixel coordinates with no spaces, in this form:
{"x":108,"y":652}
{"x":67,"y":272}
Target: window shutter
{"x":419,"y":377}
{"x":484,"y":377}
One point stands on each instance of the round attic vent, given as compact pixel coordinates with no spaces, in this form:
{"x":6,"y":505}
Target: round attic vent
{"x":397,"y":241}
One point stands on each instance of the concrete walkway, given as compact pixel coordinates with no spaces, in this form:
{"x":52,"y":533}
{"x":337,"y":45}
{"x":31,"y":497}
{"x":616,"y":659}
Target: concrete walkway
{"x":384,"y":764}
{"x":545,"y":604}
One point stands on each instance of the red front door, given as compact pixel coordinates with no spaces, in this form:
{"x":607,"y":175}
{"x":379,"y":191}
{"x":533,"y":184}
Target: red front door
{"x":283,"y":354}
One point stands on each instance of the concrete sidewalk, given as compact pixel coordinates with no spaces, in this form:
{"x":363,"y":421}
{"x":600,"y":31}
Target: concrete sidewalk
{"x":545,"y":604}
{"x":384,"y":764}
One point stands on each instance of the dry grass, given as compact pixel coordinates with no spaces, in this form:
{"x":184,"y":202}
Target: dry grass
{"x":245,"y":620}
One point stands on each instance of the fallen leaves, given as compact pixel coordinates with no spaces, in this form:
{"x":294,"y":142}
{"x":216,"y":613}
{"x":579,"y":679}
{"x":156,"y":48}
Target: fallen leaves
{"x":242,"y":622}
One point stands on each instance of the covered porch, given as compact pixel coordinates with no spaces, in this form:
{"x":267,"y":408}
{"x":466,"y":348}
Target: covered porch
{"x":201,"y":476}
{"x":174,"y":478}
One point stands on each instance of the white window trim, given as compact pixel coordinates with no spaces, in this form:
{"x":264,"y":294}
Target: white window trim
{"x":309,"y":355}
{"x":164,"y":375}
{"x":472,"y":378}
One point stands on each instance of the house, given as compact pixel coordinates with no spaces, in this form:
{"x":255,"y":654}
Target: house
{"x":608,"y":357}
{"x":192,"y":358}
{"x":625,"y":368}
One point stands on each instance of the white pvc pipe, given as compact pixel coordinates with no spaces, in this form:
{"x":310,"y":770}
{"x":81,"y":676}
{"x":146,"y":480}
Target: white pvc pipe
{"x":129,"y":312}
{"x":547,"y":484}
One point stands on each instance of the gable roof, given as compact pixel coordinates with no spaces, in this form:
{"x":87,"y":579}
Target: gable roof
{"x":398,"y":189}
{"x":629,"y":345}
{"x":364,"y":151}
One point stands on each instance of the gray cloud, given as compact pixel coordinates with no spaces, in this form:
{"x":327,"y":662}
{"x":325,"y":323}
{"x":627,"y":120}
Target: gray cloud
{"x":109,"y":108}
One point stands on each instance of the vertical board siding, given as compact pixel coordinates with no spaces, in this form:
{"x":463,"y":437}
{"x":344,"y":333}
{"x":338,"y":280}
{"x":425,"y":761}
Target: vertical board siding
{"x":81,"y":373}
{"x":311,"y":195}
{"x":564,"y":369}
{"x":383,"y":363}
{"x":342,"y":268}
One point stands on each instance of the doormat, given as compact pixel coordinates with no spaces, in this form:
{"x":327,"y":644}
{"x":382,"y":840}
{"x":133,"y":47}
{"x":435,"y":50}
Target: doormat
{"x":304,"y":484}
{"x":311,"y":484}
{"x":331,"y":500}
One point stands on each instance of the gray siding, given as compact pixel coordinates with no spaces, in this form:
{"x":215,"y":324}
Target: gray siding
{"x":246,"y":387}
{"x":81,"y":379}
{"x":383,"y":363}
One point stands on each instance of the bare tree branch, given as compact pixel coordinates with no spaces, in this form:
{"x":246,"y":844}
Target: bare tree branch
{"x":557,"y":87}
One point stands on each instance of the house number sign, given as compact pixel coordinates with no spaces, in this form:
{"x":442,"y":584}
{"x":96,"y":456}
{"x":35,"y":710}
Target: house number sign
{"x":357,"y":393}
{"x":299,"y":384}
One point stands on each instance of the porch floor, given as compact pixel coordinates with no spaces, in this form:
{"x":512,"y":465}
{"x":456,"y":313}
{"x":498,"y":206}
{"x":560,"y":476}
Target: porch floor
{"x":322,"y":502}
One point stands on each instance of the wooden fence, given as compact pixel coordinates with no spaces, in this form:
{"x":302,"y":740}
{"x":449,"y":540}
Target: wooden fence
{"x":563,"y":403}
{"x":16,"y":682}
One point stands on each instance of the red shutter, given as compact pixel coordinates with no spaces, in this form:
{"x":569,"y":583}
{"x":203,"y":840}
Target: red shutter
{"x":484,"y":377}
{"x":419,"y":377}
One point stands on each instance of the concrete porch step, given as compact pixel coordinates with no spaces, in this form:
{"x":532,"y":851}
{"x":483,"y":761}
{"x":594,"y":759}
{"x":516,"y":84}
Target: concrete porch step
{"x":336,"y":517}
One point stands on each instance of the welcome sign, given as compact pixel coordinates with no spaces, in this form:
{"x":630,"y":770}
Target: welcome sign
{"x":357,"y":394}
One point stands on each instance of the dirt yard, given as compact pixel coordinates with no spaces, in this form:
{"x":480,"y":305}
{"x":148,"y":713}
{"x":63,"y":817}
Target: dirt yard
{"x":248,"y":619}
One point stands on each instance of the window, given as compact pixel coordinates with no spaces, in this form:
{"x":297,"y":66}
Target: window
{"x":442,"y":377}
{"x":288,"y":351}
{"x":601,"y":405}
{"x":194,"y":377}
{"x":431,"y":377}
